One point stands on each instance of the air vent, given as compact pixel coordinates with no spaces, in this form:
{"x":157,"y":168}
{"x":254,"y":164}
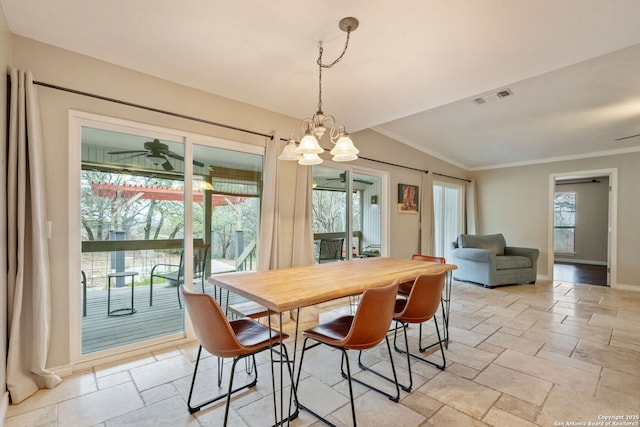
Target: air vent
{"x":493,"y":96}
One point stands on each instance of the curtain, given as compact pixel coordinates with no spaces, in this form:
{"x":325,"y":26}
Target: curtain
{"x":471,"y":208}
{"x":301,"y":240}
{"x":302,"y":218}
{"x":427,"y":228}
{"x":268,"y":248}
{"x":28,"y":283}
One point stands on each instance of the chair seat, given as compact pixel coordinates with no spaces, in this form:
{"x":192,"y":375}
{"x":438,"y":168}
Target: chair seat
{"x":253,"y":335}
{"x":332,"y":332}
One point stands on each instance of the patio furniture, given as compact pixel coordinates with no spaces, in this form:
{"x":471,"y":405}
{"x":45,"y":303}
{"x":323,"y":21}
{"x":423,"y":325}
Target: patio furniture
{"x":237,"y":339}
{"x":330,"y":250}
{"x":487,"y":260}
{"x":362,"y":331}
{"x":421,"y":305}
{"x":174,"y":273}
{"x":125,"y":310}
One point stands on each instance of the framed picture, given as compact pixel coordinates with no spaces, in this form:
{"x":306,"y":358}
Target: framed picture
{"x":408,"y":199}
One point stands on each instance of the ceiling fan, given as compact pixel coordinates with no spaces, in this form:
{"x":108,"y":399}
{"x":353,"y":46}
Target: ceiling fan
{"x":343,"y":178}
{"x":157,"y":153}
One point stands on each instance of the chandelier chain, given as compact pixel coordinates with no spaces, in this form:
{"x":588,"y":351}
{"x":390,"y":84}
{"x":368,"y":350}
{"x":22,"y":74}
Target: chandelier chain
{"x":321,"y":66}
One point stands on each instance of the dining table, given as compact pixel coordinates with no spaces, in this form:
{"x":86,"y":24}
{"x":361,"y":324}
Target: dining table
{"x":290,"y":289}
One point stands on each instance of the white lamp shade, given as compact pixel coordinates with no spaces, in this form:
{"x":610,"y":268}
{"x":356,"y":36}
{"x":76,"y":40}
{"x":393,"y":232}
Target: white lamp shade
{"x":310,"y":159}
{"x":309,"y":145}
{"x":344,"y":151}
{"x":289,"y":152}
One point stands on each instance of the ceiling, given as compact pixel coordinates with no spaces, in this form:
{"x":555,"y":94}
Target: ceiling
{"x":412,"y":70}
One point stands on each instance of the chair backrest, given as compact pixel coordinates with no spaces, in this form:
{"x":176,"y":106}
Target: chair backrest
{"x":211,"y":325}
{"x":200,"y":260}
{"x":330,"y":250}
{"x":430,"y":258}
{"x":200,"y":252}
{"x":424,"y":298}
{"x":373,"y":317}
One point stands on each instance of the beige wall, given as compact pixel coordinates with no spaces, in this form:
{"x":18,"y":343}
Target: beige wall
{"x":5,"y":57}
{"x":67,"y":69}
{"x":515,"y":201}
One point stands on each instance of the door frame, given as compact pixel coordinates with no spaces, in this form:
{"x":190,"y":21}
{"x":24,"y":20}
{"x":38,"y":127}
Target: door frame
{"x":612,"y":241}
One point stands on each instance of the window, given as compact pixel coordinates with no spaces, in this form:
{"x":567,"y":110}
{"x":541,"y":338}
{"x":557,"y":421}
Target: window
{"x":564,"y":221}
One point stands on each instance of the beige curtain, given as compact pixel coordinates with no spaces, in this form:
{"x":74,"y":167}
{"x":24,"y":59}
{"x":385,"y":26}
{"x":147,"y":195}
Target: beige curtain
{"x":471,"y":208}
{"x":271,"y":252}
{"x":427,"y":228}
{"x":28,"y":285}
{"x":268,"y":247}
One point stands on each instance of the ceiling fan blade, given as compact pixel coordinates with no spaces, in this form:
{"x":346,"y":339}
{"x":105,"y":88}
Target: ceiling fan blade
{"x":174,"y":155}
{"x":131,"y":157}
{"x":167,"y":166}
{"x":197,"y":163}
{"x":127,"y":152}
{"x":627,"y":137}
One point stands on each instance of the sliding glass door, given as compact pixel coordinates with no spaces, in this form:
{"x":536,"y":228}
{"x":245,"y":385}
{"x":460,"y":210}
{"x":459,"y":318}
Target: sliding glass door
{"x":448,"y":216}
{"x":140,"y":240}
{"x":341,"y":222}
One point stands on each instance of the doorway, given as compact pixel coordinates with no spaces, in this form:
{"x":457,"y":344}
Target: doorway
{"x":582,"y":226}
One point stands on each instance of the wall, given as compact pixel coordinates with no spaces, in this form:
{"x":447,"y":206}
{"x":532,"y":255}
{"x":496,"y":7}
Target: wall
{"x":592,"y":209}
{"x":67,"y":69}
{"x":5,"y":56}
{"x":515,"y":201}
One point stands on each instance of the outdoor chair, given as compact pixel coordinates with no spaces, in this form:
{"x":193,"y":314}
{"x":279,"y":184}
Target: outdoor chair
{"x":237,"y":339}
{"x":174,"y":273}
{"x":330,"y":250}
{"x":362,"y":331}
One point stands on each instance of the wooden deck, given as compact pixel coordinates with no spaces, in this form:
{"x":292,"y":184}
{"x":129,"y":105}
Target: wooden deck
{"x":164,"y":317}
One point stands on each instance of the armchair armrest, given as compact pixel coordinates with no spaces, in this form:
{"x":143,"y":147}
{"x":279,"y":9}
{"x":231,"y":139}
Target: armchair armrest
{"x":526,"y":252}
{"x":474,"y":254}
{"x":166,"y":267}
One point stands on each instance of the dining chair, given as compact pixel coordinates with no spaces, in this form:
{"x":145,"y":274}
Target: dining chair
{"x":237,"y":339}
{"x":362,"y":331}
{"x":175,"y":274}
{"x":421,"y":305}
{"x":445,"y":300}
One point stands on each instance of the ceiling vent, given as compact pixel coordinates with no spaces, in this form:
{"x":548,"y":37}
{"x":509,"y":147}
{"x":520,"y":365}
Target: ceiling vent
{"x":493,"y":96}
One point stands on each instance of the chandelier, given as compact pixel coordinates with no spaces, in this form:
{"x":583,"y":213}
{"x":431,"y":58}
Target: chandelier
{"x":307,"y":150}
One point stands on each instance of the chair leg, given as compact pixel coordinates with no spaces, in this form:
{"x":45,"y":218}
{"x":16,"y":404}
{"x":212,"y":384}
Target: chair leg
{"x":229,"y":392}
{"x":151,"y":292}
{"x":422,"y":349}
{"x":306,"y":408}
{"x":394,"y":380}
{"x":178,"y":292}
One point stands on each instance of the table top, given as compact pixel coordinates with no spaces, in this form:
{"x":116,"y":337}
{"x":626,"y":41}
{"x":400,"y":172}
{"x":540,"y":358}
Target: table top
{"x":123,"y":274}
{"x":295,"y":287}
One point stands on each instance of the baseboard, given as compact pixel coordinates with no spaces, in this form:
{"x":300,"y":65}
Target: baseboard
{"x":623,"y":287}
{"x":62,"y":371}
{"x":580,"y":261}
{"x":4,"y":407}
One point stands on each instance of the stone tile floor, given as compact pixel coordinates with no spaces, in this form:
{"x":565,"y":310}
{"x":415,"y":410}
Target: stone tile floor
{"x":548,"y":354}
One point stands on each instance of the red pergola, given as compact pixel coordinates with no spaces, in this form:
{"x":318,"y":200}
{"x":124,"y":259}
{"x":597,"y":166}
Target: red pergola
{"x":157,"y":193}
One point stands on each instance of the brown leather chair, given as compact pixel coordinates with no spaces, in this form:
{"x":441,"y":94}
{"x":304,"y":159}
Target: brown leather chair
{"x":421,"y":305}
{"x":405,"y":288}
{"x":362,"y":331}
{"x":238,"y":339}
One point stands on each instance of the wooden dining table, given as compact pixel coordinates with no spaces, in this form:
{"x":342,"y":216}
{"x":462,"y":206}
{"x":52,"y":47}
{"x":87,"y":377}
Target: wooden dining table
{"x":290,"y":289}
